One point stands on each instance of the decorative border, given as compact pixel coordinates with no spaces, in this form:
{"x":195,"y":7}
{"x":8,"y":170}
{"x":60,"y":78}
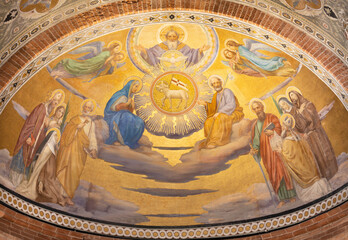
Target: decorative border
{"x":302,"y":23}
{"x":194,"y":232}
{"x":45,"y":22}
{"x":276,"y":9}
{"x":136,"y":20}
{"x":216,"y":231}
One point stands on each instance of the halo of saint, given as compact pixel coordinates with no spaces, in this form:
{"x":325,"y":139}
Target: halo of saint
{"x":167,"y":46}
{"x":173,"y":81}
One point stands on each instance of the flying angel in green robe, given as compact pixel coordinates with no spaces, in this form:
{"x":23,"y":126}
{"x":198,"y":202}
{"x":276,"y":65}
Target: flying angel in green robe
{"x":97,"y":61}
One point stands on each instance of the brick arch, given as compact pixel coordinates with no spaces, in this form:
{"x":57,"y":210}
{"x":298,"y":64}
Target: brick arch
{"x":320,"y":227}
{"x":331,"y":225}
{"x":307,"y":43}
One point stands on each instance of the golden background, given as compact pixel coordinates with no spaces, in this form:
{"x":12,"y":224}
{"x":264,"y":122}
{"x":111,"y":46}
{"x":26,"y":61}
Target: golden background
{"x":237,"y":178}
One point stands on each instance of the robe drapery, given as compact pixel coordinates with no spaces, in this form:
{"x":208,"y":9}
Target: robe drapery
{"x":301,"y":165}
{"x":24,"y":153}
{"x":275,"y":168}
{"x":308,"y":122}
{"x":152,"y":54}
{"x":69,"y":68}
{"x":218,"y":130}
{"x":50,"y":189}
{"x":299,"y":161}
{"x":72,"y":154}
{"x":274,"y":66}
{"x":124,"y":126}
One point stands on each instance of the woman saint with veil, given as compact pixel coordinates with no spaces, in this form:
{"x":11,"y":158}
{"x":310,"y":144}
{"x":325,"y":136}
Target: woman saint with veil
{"x":124,"y":126}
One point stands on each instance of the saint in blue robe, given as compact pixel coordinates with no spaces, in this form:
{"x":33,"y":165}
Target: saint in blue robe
{"x":129,"y":126}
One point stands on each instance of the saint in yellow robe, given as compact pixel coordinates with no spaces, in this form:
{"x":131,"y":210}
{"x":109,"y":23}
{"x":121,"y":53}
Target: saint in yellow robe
{"x":218,"y":130}
{"x":300,"y":162}
{"x":72,"y":153}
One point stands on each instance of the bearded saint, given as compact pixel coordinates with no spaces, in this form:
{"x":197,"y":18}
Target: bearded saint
{"x":314,"y":134}
{"x":151,"y":55}
{"x":261,"y":147}
{"x":222,"y":112}
{"x":30,"y":138}
{"x":78,"y":140}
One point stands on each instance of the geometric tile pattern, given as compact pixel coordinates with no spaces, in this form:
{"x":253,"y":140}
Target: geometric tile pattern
{"x":188,"y":232}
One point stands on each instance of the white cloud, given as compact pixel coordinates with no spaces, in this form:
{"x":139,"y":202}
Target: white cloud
{"x":196,"y":163}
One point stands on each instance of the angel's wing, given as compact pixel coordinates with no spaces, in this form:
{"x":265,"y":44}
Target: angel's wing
{"x":67,"y":85}
{"x":92,"y":49}
{"x":254,"y":46}
{"x":225,"y":63}
{"x":20,"y":110}
{"x":121,"y":64}
{"x":281,"y":85}
{"x":325,"y":110}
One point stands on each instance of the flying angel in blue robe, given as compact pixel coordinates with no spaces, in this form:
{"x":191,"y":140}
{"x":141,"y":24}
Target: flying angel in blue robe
{"x":246,"y":59}
{"x":97,"y":61}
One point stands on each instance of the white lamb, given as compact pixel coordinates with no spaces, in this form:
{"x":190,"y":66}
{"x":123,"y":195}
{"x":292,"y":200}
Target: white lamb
{"x":170,"y":94}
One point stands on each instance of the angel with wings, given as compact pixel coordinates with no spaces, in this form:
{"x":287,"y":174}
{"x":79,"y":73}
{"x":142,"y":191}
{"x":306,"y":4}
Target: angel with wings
{"x":97,"y":61}
{"x":246,"y":59}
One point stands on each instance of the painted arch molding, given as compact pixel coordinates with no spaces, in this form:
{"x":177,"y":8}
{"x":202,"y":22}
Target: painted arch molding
{"x":134,"y":118}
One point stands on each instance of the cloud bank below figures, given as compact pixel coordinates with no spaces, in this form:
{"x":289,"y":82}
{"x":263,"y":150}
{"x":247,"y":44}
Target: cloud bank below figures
{"x":5,"y":160}
{"x":95,"y":202}
{"x":256,"y":202}
{"x":91,"y":201}
{"x":168,"y":192}
{"x":153,"y":165}
{"x":341,"y":177}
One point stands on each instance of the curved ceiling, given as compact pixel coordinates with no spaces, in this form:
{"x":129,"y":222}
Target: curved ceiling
{"x":159,"y":154}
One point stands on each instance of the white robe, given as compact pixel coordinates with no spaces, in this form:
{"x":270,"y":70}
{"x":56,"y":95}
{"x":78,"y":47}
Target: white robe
{"x":29,"y":188}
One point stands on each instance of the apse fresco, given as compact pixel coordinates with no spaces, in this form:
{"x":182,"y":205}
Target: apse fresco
{"x":172,"y":125}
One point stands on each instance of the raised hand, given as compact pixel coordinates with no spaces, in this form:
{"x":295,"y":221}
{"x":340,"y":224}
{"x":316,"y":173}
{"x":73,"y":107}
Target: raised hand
{"x":28,"y":141}
{"x":201,"y":102}
{"x":269,"y":132}
{"x":204,"y":48}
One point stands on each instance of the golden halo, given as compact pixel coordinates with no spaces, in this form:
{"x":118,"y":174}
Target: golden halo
{"x":256,"y":100}
{"x":89,"y":100}
{"x":115,"y":41}
{"x":292,"y":89}
{"x":58,"y":91}
{"x":55,"y":130}
{"x":287,"y":115}
{"x":124,"y":56}
{"x":281,"y":96}
{"x":177,"y":28}
{"x":231,"y":39}
{"x":55,"y":109}
{"x":136,"y":78}
{"x":223,"y":55}
{"x":62,"y":104}
{"x":216,"y":76}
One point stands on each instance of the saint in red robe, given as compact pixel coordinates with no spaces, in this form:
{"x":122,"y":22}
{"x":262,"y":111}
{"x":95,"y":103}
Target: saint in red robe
{"x":24,"y":153}
{"x":271,"y":159}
